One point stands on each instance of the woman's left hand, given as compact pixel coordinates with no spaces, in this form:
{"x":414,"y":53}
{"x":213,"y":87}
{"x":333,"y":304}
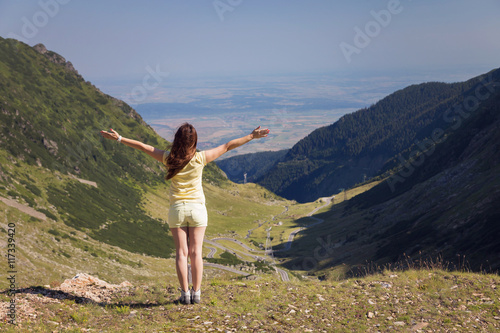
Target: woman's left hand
{"x":112,"y":135}
{"x":259,"y":133}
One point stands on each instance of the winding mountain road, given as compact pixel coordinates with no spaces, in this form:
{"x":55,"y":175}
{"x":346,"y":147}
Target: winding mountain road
{"x":246,"y":247}
{"x":292,"y":235}
{"x":213,"y":250}
{"x":282,"y":273}
{"x":233,"y":270}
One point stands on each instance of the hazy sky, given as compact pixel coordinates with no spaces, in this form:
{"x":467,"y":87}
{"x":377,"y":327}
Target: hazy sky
{"x":115,"y":39}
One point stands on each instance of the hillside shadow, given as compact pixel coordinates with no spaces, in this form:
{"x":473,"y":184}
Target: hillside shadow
{"x":438,"y":209}
{"x":353,"y":242}
{"x":62,"y":295}
{"x":300,"y":224}
{"x":51,"y":293}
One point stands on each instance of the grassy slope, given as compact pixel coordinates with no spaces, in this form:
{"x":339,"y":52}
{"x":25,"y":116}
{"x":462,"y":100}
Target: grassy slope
{"x":430,"y":300}
{"x":51,"y":120}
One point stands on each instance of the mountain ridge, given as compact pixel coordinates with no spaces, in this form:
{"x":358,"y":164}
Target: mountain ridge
{"x":338,"y":156}
{"x":85,"y":203}
{"x":51,"y":120}
{"x":439,"y":204}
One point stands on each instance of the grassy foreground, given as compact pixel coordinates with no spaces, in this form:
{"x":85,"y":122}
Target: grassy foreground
{"x":416,"y":300}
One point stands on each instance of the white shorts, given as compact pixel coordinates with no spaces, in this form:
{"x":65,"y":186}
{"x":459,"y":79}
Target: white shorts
{"x":187,"y":214}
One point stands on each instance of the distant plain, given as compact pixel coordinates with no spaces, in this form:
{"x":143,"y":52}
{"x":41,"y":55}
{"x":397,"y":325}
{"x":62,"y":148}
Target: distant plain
{"x":292,"y":106}
{"x":286,"y":127}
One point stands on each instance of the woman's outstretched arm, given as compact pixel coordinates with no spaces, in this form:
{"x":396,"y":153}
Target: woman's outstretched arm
{"x":155,"y":153}
{"x":215,"y":153}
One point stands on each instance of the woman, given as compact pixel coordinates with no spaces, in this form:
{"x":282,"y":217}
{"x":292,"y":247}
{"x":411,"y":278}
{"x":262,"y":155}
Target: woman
{"x":187,"y":216}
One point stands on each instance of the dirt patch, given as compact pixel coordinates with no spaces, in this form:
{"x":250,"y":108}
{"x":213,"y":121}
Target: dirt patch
{"x":23,"y":208}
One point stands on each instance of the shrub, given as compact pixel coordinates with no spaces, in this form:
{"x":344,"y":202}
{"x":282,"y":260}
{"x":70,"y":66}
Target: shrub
{"x":124,"y":309}
{"x":226,"y":258}
{"x":33,"y":189}
{"x":29,"y":201}
{"x":12,"y":193}
{"x":79,"y":317}
{"x":54,"y":232}
{"x":47,"y":213}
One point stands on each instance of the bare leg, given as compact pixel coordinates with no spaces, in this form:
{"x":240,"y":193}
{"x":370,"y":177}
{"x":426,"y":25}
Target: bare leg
{"x":196,"y":235}
{"x":181,"y":248}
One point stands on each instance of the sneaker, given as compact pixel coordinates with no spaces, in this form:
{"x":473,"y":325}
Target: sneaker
{"x":195,"y":296}
{"x":185,"y":297}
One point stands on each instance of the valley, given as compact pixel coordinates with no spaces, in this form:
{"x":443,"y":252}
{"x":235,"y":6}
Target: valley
{"x":406,"y":218}
{"x":239,"y":224}
{"x":388,"y":300}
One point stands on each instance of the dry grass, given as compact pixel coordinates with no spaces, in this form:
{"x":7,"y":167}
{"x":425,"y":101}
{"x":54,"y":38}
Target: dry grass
{"x":425,"y":300}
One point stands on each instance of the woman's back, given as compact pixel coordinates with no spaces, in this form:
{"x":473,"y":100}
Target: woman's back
{"x":186,"y":185}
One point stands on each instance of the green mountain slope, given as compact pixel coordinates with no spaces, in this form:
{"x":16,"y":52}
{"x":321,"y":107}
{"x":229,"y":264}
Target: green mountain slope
{"x":361,"y":144}
{"x":81,"y":203}
{"x":50,"y":120}
{"x":443,"y":203}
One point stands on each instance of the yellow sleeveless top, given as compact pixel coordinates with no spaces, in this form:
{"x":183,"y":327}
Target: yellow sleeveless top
{"x":186,"y":185}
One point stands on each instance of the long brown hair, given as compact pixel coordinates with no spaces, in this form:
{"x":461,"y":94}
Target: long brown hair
{"x":182,"y":150}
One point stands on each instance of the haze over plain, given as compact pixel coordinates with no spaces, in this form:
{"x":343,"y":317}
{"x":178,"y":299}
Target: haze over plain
{"x":261,"y":59}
